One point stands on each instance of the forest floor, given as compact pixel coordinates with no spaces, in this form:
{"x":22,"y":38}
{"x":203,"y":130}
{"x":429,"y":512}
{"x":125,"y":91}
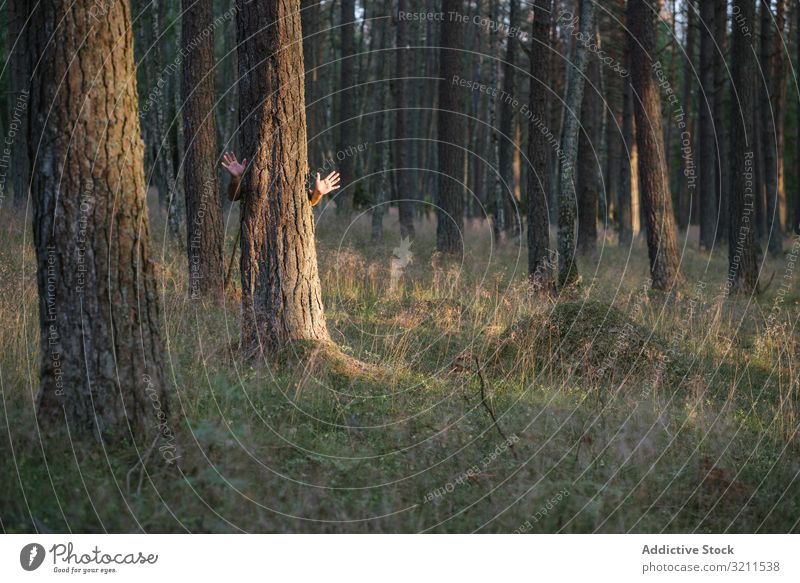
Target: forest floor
{"x":451,"y":400}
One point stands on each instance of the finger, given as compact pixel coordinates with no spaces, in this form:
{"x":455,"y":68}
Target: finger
{"x":332,"y":175}
{"x":317,"y":176}
{"x":244,"y":162}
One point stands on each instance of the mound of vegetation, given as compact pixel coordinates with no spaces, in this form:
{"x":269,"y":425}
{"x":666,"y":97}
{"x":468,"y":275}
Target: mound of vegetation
{"x":590,"y":338}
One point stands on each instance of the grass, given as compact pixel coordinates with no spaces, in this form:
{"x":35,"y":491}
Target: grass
{"x":456,"y":402}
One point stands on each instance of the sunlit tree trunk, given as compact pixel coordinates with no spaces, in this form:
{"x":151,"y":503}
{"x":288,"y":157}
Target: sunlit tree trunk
{"x":201,"y":186}
{"x":656,"y":199}
{"x":281,"y":294}
{"x":98,"y":298}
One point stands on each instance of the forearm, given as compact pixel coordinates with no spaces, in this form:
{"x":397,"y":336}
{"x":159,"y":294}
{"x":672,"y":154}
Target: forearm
{"x":314,"y":196}
{"x":233,"y":188}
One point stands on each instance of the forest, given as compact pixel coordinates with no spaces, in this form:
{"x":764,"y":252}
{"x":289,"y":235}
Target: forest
{"x":338,"y":266}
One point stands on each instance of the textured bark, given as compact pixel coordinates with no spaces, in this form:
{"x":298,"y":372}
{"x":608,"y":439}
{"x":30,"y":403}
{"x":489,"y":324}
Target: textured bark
{"x":511,"y":218}
{"x":312,"y":45}
{"x":494,"y":185}
{"x":657,"y":202}
{"x":567,"y":204}
{"x":203,"y":207}
{"x":348,"y":124}
{"x":742,"y":270}
{"x":707,"y":190}
{"x":686,"y":190}
{"x":778,"y":71}
{"x":539,"y":268}
{"x":402,"y":149}
{"x":450,"y":124}
{"x":772,"y":124}
{"x":589,"y":180}
{"x":628,"y":202}
{"x":723,"y":179}
{"x":98,"y":301}
{"x":18,"y":11}
{"x":281,"y":294}
{"x":767,"y":135}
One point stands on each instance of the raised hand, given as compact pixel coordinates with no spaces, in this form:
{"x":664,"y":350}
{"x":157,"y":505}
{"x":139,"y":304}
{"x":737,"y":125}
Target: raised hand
{"x":330,"y":182}
{"x":233,"y":166}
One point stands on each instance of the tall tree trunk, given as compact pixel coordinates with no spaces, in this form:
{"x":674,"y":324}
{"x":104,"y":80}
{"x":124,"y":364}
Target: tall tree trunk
{"x":203,"y":207}
{"x":660,"y":221}
{"x":742,"y":271}
{"x":567,"y":204}
{"x":707,"y":144}
{"x":628,"y":203}
{"x":347,"y":107}
{"x":494,"y":186}
{"x":723,"y":178}
{"x":767,"y":127}
{"x":686,"y":190}
{"x":589,"y":181}
{"x":18,"y":11}
{"x":450,"y":193}
{"x":281,"y":294}
{"x":312,"y":42}
{"x":539,"y":268}
{"x":511,"y":219}
{"x":402,"y":149}
{"x":98,"y":299}
{"x":772,"y":122}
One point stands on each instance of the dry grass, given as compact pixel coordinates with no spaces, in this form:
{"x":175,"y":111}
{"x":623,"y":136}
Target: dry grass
{"x":654,"y":412}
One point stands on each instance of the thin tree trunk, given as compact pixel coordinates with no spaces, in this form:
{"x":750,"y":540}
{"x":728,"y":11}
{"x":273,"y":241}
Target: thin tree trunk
{"x":450,"y":192}
{"x":281,"y":294}
{"x":567,"y":204}
{"x":722,"y":164}
{"x":309,"y":17}
{"x":742,"y":271}
{"x":657,"y":202}
{"x":402,"y":149}
{"x":18,"y":11}
{"x":347,"y":107}
{"x":588,"y":171}
{"x":101,"y":368}
{"x":201,"y":186}
{"x":707,"y":145}
{"x":686,"y":190}
{"x":539,"y":268}
{"x":511,"y":220}
{"x":773,"y":128}
{"x":768,"y":119}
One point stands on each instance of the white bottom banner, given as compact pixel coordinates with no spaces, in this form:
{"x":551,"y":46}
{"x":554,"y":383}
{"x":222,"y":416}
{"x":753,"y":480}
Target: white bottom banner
{"x":370,"y":558}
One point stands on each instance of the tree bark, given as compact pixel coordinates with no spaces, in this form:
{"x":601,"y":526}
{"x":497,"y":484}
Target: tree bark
{"x":660,"y":221}
{"x":772,"y":123}
{"x":281,"y":294}
{"x":539,"y":268}
{"x":18,"y":11}
{"x":723,"y":179}
{"x":589,"y":180}
{"x":686,"y":190}
{"x":101,"y":368}
{"x":203,"y":207}
{"x":707,"y":143}
{"x":450,"y":191}
{"x":347,"y":107}
{"x":567,"y":203}
{"x":402,"y":149}
{"x":742,"y":271}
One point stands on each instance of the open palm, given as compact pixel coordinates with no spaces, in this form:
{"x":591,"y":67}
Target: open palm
{"x":325,"y":185}
{"x":232,"y":165}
